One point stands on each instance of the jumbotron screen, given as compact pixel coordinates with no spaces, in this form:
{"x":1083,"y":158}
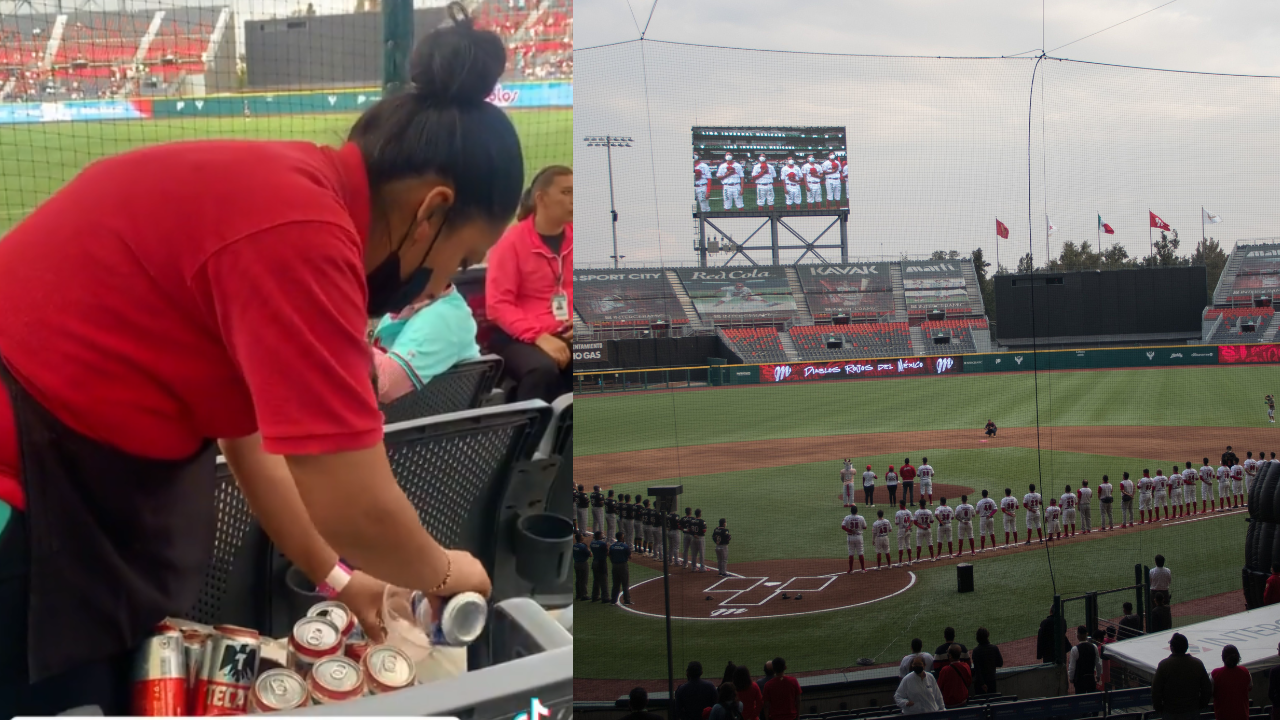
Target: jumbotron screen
{"x":752,"y":169}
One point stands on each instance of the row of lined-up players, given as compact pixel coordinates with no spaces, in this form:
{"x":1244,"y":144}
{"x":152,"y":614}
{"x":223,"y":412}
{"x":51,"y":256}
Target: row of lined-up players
{"x":643,"y":526}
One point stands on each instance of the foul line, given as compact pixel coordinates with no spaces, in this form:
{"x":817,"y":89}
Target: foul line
{"x":1211,"y":517}
{"x":769,"y":617}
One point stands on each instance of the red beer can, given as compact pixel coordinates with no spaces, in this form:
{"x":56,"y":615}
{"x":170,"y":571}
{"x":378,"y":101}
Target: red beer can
{"x":279,"y":689}
{"x":193,"y":640}
{"x":160,"y":675}
{"x":334,"y":679}
{"x":337,"y":613}
{"x":313,"y":639}
{"x":227,"y":672}
{"x":386,"y":669}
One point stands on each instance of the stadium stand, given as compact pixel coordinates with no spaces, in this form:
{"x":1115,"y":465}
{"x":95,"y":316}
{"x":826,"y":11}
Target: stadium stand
{"x":1251,"y":270}
{"x":864,"y":340}
{"x":859,"y":291}
{"x":935,"y":284}
{"x":539,"y":35}
{"x":629,"y":299}
{"x":739,"y":297}
{"x":1234,"y":320}
{"x":960,"y":331}
{"x":754,"y":344}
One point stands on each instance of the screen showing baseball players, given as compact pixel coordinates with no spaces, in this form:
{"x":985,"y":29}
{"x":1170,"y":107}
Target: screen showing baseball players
{"x":770,"y":168}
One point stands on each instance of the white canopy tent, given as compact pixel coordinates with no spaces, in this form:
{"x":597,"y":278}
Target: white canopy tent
{"x":1255,"y":633}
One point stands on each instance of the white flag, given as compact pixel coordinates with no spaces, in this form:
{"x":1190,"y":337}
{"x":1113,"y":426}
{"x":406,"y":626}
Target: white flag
{"x":1211,"y":218}
{"x":1049,"y":227}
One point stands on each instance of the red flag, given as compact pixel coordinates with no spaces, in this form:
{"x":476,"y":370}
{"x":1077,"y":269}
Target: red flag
{"x":1002,"y":230}
{"x":1157,"y":223}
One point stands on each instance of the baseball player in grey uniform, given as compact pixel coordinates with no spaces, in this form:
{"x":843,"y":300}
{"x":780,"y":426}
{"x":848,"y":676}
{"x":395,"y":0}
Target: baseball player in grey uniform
{"x":580,"y":508}
{"x":721,"y":538}
{"x":597,"y":509}
{"x":673,"y":536}
{"x":698,"y":529}
{"x":685,"y":527}
{"x":610,"y":517}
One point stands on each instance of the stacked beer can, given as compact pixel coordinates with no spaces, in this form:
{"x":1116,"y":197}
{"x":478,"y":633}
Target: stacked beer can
{"x":187,"y":669}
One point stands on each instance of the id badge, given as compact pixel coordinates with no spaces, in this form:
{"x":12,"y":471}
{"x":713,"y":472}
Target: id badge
{"x":560,"y":306}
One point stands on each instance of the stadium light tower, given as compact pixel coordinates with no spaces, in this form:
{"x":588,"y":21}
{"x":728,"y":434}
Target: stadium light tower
{"x":609,"y":142}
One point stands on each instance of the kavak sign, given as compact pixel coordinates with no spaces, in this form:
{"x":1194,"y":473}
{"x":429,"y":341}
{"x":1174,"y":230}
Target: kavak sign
{"x":590,"y":352}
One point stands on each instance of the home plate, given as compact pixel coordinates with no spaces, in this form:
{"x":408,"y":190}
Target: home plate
{"x":771,"y":584}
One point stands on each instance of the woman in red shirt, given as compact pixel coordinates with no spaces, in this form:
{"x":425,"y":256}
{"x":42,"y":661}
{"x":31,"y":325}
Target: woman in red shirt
{"x":1231,"y":687}
{"x":529,"y":289}
{"x":748,"y":693}
{"x":193,"y":296}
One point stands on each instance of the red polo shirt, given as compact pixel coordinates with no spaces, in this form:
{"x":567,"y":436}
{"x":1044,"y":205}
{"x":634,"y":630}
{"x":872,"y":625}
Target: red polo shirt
{"x":195,"y":290}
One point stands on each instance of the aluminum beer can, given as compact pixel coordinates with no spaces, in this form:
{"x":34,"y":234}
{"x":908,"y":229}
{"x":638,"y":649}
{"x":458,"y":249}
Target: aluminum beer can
{"x":313,"y":639}
{"x":228,"y":670}
{"x":334,"y":679}
{"x":337,"y":613}
{"x":193,"y":640}
{"x":279,"y":689}
{"x":387,"y":669}
{"x":461,"y":619}
{"x":160,"y":675}
{"x":356,"y":649}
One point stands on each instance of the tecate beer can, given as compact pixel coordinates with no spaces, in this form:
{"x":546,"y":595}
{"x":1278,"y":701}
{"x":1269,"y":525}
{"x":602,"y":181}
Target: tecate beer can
{"x":193,"y":641}
{"x":160,"y":675}
{"x":313,"y":639}
{"x":387,"y":669}
{"x":228,"y":670}
{"x":335,"y":679}
{"x":356,"y":649}
{"x":337,"y":613}
{"x":279,"y":689}
{"x":461,"y":619}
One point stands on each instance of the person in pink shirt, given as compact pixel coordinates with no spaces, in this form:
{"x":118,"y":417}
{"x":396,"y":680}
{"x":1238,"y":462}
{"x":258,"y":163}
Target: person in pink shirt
{"x":529,"y":289}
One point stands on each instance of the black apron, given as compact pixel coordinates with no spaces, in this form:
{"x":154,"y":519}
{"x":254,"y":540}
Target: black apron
{"x":116,"y":542}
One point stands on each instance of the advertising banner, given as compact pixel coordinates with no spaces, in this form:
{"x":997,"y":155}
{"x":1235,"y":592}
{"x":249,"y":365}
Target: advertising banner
{"x":872,"y":303}
{"x":849,"y":369}
{"x":78,"y":110}
{"x":590,"y":352}
{"x":857,"y":278}
{"x":724,"y":282}
{"x":940,"y":268}
{"x":617,"y":309}
{"x":937,"y":283}
{"x":1237,"y":354}
{"x":1094,"y":359}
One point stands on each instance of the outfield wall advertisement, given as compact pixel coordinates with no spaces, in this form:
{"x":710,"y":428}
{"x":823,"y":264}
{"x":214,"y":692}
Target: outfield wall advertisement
{"x":879,"y":368}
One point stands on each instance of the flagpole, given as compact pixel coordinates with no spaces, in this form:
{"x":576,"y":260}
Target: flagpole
{"x":1150,"y":242}
{"x":997,"y":246}
{"x":1202,"y":238}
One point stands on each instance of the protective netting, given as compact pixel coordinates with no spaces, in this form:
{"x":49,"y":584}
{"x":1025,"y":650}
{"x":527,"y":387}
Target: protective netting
{"x":943,"y":153}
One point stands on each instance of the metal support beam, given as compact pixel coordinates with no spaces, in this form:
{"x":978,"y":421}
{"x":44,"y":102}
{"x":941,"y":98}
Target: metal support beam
{"x":844,"y":237}
{"x":702,"y":241}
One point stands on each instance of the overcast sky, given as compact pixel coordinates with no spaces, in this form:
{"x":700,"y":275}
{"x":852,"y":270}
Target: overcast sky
{"x":939,"y":148}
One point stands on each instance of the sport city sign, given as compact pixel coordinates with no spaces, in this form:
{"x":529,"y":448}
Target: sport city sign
{"x":849,"y":369}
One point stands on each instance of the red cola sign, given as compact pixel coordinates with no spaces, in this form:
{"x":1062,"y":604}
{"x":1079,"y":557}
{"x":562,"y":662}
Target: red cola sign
{"x":849,"y":369}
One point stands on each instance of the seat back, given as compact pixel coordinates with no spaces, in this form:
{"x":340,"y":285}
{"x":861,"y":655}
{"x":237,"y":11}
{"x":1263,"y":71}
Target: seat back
{"x":462,"y":387}
{"x":234,"y":590}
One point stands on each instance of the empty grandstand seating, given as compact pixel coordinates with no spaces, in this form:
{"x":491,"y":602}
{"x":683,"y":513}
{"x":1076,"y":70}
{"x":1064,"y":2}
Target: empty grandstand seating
{"x":935,"y":284}
{"x":859,"y":291}
{"x":961,"y":331}
{"x":864,"y":340}
{"x":1234,"y":319}
{"x":755,"y":344}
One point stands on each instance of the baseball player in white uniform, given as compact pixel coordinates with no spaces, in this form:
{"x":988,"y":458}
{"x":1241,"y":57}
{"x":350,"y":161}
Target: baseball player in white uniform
{"x":1237,"y":484}
{"x":880,"y":538}
{"x":1190,"y":478}
{"x":986,"y":522}
{"x":1176,"y":501}
{"x":791,"y":179}
{"x":1160,"y":494}
{"x":925,"y":473}
{"x":854,"y":524}
{"x":1145,"y":487}
{"x":844,"y":174}
{"x":944,"y":515}
{"x":964,"y":525}
{"x":924,"y":522}
{"x":1084,"y":504}
{"x":904,"y":520}
{"x":831,"y":171}
{"x":813,"y":181}
{"x":730,"y":175}
{"x":1250,"y":469}
{"x":701,"y":178}
{"x":1224,"y":486}
{"x":1067,"y":509}
{"x":1106,"y":500}
{"x":763,"y":174}
{"x":1206,"y":487}
{"x":1033,"y":503}
{"x":1009,"y":509}
{"x":1126,"y":501}
{"x":848,"y":494}
{"x":1052,"y":519}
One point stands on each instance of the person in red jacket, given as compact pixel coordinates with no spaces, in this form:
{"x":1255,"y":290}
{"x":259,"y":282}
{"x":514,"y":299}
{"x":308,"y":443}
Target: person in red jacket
{"x":954,"y":679}
{"x":529,"y":289}
{"x":1271,"y":595}
{"x":908,"y":475}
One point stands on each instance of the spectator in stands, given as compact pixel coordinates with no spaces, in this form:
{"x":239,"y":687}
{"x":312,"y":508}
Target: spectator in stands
{"x":940,"y":658}
{"x":917,"y":647}
{"x":954,"y":679}
{"x":1181,"y":686}
{"x":1271,"y":595}
{"x":1045,"y":638}
{"x":727,"y":706}
{"x":1106,"y":639}
{"x":782,"y":694}
{"x":1130,"y":624}
{"x":991,"y":429}
{"x":768,"y":675}
{"x":637,"y":703}
{"x":1231,"y":687}
{"x":529,"y":289}
{"x":918,"y":692}
{"x":421,"y":342}
{"x":251,"y":331}
{"x":1161,"y":617}
{"x":986,"y":658}
{"x":1160,"y":578}
{"x":748,"y":693}
{"x":695,"y":695}
{"x":1084,"y":663}
{"x":729,"y":670}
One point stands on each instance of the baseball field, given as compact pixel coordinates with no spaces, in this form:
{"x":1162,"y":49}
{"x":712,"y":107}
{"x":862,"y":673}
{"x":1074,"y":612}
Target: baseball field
{"x":38,"y":158}
{"x":767,"y":459}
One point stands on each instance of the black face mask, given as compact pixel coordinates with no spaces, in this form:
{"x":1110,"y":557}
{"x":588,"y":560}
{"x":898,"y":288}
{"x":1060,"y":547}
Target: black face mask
{"x":387,"y":291}
{"x":918,"y":670}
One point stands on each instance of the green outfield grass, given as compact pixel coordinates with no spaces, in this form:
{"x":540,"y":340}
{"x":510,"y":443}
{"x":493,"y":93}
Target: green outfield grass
{"x":1194,"y":396}
{"x":36,"y":159}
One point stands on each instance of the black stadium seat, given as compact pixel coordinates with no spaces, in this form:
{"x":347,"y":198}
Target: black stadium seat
{"x":465,"y":386}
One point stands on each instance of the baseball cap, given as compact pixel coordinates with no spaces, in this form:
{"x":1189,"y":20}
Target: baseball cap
{"x":868,"y":467}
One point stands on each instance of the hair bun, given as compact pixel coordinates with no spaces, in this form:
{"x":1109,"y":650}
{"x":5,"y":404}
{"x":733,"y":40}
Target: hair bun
{"x":457,"y":64}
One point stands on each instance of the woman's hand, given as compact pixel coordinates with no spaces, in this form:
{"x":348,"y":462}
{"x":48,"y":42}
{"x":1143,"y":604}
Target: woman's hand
{"x":466,"y":574}
{"x":555,"y":347}
{"x":363,"y":595}
{"x":567,"y":333}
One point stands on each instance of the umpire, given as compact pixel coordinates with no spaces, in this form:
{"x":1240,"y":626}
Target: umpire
{"x":610,"y":516}
{"x":581,"y":553}
{"x":580,"y":508}
{"x":721,"y":538}
{"x":599,"y":573}
{"x":619,"y":554}
{"x":597,"y":509}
